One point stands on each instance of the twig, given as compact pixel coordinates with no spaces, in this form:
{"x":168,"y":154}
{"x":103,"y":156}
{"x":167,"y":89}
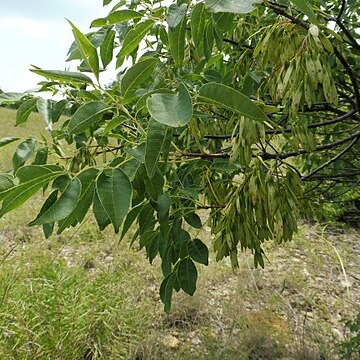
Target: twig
{"x":327,"y":163}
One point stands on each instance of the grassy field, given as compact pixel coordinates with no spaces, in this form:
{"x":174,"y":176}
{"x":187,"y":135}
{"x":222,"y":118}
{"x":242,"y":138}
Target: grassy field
{"x":84,"y":295}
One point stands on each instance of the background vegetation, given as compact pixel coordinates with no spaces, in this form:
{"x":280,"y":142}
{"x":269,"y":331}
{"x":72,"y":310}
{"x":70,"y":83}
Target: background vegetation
{"x":230,"y":122}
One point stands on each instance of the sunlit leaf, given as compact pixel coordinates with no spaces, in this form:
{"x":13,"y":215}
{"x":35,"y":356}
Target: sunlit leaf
{"x":238,"y":7}
{"x":87,"y":115}
{"x":87,"y":50}
{"x":171,"y":109}
{"x":25,"y":109}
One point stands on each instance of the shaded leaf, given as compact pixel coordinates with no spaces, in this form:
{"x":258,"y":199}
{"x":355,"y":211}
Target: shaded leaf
{"x":115,"y":192}
{"x":158,"y":141}
{"x":58,"y":109}
{"x":231,"y":99}
{"x":198,"y":23}
{"x":101,"y":216}
{"x":63,"y":207}
{"x":198,"y":251}
{"x":193,"y":220}
{"x":187,"y":275}
{"x":177,"y":42}
{"x":166,"y":289}
{"x":107,"y":48}
{"x":87,"y":179}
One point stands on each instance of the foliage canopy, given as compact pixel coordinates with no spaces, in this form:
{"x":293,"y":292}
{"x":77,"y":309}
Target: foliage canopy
{"x":247,"y":111}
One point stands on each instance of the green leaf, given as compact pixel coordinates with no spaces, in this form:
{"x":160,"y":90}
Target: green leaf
{"x":113,"y":124}
{"x":87,"y":49}
{"x":198,"y":17}
{"x":115,"y":192}
{"x":237,"y":7}
{"x":87,"y":115}
{"x":158,"y":140}
{"x":10,"y":97}
{"x":130,"y":218}
{"x":58,"y":109}
{"x":25,"y":109}
{"x":23,"y":152}
{"x":187,"y":275}
{"x":208,"y":40}
{"x":87,"y":179}
{"x":176,"y":14}
{"x":133,"y":39}
{"x":27,"y":173}
{"x":193,"y":220}
{"x":116,"y":17}
{"x":44,"y":107}
{"x":137,"y":74}
{"x":101,"y":215}
{"x":198,"y":251}
{"x":41,"y":156}
{"x":177,"y":42}
{"x":107,"y":48}
{"x":231,"y":99}
{"x":6,"y":182}
{"x":171,"y":109}
{"x":162,"y":205}
{"x":16,"y":196}
{"x":66,"y":76}
{"x":63,"y":207}
{"x":306,"y":8}
{"x":166,"y":289}
{"x":8,"y":140}
{"x":48,"y":228}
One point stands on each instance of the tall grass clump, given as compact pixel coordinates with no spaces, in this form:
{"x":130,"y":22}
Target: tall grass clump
{"x":61,"y":312}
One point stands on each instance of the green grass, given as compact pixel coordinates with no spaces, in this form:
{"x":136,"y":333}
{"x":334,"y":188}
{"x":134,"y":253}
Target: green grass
{"x":33,"y":127}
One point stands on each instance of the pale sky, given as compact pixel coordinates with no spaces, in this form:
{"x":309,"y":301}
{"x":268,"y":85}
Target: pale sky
{"x":36,"y":32}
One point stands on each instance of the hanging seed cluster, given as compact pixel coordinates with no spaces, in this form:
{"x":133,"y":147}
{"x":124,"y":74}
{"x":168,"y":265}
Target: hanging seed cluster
{"x":263,"y":207}
{"x":302,"y":63}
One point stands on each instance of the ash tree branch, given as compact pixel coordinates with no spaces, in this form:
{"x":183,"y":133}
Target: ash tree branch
{"x":327,"y":163}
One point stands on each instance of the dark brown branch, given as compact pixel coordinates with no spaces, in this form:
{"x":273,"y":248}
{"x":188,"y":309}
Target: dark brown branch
{"x":342,"y":9}
{"x":352,"y":41}
{"x":289,"y":130}
{"x":280,"y":10}
{"x":351,"y":74}
{"x":268,"y":156}
{"x":327,"y":163}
